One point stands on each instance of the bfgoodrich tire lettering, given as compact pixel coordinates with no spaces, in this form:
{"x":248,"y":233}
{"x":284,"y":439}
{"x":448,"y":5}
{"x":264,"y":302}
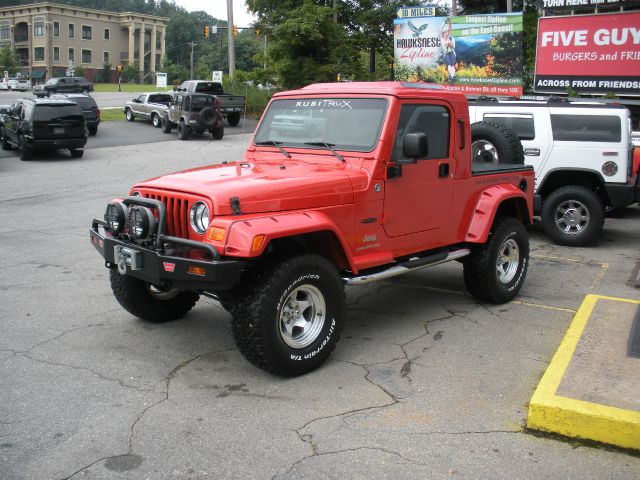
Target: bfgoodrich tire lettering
{"x":495,"y":271}
{"x":284,"y":292}
{"x":147,"y":303}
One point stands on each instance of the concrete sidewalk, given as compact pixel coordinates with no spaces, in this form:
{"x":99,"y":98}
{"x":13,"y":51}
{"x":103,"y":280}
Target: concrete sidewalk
{"x":591,"y":389}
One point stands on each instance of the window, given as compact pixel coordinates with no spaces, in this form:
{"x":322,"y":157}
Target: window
{"x":433,"y":120}
{"x":586,"y":128}
{"x":5,"y":31}
{"x":87,"y":31}
{"x":38,"y":27}
{"x":38,"y":54}
{"x":72,"y":55}
{"x":72,"y":30}
{"x":107,"y":34}
{"x":105,"y":57}
{"x":56,"y":29}
{"x":521,"y":124}
{"x":56,"y":54}
{"x":86,"y":56}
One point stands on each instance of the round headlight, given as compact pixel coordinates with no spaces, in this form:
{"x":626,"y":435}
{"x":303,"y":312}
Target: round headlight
{"x":142,"y":223}
{"x":199,"y":217}
{"x":116,"y":217}
{"x":610,"y":168}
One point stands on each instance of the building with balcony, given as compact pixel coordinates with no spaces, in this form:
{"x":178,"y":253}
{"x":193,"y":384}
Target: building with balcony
{"x":51,"y":39}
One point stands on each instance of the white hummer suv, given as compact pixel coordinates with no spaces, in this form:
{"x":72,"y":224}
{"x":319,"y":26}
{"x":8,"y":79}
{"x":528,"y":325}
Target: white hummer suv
{"x":582,"y":156}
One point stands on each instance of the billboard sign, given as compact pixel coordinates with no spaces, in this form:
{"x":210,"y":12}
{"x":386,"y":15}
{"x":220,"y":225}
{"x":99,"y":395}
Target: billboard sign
{"x":472,"y":54}
{"x":559,"y":5}
{"x":589,"y":54}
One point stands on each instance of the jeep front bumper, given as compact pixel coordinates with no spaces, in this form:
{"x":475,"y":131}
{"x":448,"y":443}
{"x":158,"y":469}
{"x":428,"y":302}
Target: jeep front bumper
{"x":174,"y":266}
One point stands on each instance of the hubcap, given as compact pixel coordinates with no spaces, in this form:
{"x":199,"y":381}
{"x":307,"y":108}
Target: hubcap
{"x":483,"y":151}
{"x":508,"y":261}
{"x":302,"y":316}
{"x":572,"y":217}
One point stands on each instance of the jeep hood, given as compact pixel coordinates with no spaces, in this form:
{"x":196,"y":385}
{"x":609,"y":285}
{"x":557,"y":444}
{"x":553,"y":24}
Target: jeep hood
{"x":263,"y":187}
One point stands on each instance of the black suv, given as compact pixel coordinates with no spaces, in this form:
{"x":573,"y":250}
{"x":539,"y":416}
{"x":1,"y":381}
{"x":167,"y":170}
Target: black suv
{"x":43,"y":124}
{"x":89,"y":109}
{"x":63,"y":85}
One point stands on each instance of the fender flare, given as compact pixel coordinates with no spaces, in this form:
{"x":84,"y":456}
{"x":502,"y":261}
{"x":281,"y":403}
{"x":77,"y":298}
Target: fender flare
{"x":240,"y":233}
{"x":487,"y":206}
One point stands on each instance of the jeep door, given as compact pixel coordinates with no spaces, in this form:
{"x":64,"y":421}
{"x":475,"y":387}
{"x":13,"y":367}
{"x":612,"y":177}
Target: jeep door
{"x":418,"y":196}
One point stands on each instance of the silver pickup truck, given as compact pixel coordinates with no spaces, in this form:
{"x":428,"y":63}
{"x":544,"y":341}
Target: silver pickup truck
{"x":148,"y":106}
{"x":231,"y":106}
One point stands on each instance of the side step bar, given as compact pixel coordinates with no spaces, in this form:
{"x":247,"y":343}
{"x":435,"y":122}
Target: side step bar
{"x":410,"y":265}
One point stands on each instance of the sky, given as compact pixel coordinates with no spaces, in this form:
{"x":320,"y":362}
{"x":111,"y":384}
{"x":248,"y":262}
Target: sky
{"x":218,"y":9}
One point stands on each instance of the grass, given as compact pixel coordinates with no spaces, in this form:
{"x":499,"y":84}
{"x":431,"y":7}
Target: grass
{"x":126,"y":87}
{"x":111,"y":114}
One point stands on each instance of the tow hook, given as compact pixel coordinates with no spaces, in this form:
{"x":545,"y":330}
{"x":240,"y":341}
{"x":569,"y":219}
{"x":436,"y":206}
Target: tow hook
{"x":126,"y":257}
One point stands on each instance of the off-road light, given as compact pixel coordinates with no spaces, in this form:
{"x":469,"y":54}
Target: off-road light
{"x":199,"y":216}
{"x":116,"y":217}
{"x":610,"y":168}
{"x":141,"y":222}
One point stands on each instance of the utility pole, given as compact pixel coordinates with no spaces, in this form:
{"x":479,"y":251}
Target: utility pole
{"x":510,"y":6}
{"x":192,"y":45}
{"x":454,"y":9}
{"x":231,"y":47}
{"x":335,"y":11}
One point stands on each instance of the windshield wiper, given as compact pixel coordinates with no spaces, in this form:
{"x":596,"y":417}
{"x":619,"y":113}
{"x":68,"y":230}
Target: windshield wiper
{"x":274,"y":144}
{"x":329,"y":146}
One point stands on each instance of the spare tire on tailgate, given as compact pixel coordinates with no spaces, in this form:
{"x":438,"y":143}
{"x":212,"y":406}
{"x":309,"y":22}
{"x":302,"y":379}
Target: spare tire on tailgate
{"x":494,"y":143}
{"x":207,"y":118}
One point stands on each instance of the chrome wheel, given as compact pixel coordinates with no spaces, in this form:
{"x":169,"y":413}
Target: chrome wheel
{"x":484,"y":151}
{"x":572,"y":217}
{"x":302,"y":316}
{"x":508,"y":261}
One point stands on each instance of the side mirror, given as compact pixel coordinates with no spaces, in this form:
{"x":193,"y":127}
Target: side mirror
{"x":414,"y":146}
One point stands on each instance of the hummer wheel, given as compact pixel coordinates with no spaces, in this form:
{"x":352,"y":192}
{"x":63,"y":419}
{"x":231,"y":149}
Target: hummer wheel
{"x":289,"y":320}
{"x":149,"y":303}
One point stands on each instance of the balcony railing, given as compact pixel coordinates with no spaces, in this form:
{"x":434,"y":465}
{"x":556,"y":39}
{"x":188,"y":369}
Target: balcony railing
{"x":21,"y":38}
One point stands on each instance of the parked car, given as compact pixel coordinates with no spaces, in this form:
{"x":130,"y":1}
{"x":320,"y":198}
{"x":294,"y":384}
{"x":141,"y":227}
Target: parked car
{"x":193,"y":113}
{"x":88,"y":106}
{"x":43,"y":124}
{"x":63,"y":85}
{"x":148,"y":106}
{"x":582,"y":156}
{"x":231,"y":106}
{"x":20,"y":84}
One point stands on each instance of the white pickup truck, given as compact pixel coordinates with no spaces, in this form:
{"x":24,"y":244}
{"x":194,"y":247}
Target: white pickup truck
{"x":20,"y":84}
{"x":582,"y":156}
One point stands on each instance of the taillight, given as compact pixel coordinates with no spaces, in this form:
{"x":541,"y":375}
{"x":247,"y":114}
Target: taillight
{"x":98,"y":113}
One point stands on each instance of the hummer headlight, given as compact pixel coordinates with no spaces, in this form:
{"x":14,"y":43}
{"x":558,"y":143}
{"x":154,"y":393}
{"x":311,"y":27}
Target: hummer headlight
{"x":116,"y":217}
{"x":199,"y":216}
{"x":142,"y":223}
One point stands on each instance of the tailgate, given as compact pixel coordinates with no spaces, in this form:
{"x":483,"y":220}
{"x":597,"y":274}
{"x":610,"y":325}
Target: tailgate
{"x":231,"y":101}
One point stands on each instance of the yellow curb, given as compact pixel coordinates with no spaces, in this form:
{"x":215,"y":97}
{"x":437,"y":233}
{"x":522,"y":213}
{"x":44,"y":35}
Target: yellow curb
{"x":576,"y":418}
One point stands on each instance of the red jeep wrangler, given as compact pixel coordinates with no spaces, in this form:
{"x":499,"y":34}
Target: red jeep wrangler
{"x":344,"y":184}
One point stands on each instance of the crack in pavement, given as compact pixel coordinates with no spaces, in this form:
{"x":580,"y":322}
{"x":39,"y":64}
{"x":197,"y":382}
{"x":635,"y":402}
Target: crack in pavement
{"x":170,"y":376}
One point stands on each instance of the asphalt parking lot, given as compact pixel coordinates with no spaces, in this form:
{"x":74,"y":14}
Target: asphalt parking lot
{"x":425,"y":382}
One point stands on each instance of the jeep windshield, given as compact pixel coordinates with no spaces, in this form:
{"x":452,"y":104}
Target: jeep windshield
{"x":352,"y":124}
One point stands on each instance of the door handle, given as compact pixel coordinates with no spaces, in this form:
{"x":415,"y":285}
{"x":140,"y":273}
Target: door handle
{"x":609,"y":154}
{"x":443,"y":170}
{"x":532,"y":152}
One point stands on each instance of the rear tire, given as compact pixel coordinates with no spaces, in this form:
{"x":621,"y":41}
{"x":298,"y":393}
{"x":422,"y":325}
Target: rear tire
{"x":572,"y":216}
{"x":155,"y":120}
{"x":218,"y":133}
{"x":233,"y":119}
{"x":26,"y":153}
{"x":289,"y":319}
{"x":3,"y":141}
{"x":129,"y":115}
{"x":183,"y":131}
{"x":142,"y":300}
{"x":495,"y":271}
{"x":93,"y":130}
{"x":76,"y":152}
{"x":495,"y":143}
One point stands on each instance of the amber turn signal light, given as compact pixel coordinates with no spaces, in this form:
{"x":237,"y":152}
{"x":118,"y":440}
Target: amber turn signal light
{"x":215,"y":234}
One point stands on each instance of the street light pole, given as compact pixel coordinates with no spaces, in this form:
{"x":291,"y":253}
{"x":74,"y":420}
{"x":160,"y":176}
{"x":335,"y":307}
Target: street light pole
{"x":232,"y":50}
{"x":192,"y":45}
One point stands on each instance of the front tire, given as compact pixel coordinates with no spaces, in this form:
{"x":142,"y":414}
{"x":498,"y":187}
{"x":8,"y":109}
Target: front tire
{"x":289,"y":320}
{"x":495,"y":271}
{"x":129,"y":115}
{"x":146,"y":302}
{"x":495,"y":143}
{"x":573,"y":216}
{"x":3,"y":140}
{"x":167,"y":126}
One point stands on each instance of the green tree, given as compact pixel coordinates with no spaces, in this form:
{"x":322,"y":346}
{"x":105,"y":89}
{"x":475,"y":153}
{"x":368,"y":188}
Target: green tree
{"x":8,"y":61}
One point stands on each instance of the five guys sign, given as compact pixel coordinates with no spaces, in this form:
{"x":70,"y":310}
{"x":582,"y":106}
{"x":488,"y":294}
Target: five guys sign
{"x":589,"y":54}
